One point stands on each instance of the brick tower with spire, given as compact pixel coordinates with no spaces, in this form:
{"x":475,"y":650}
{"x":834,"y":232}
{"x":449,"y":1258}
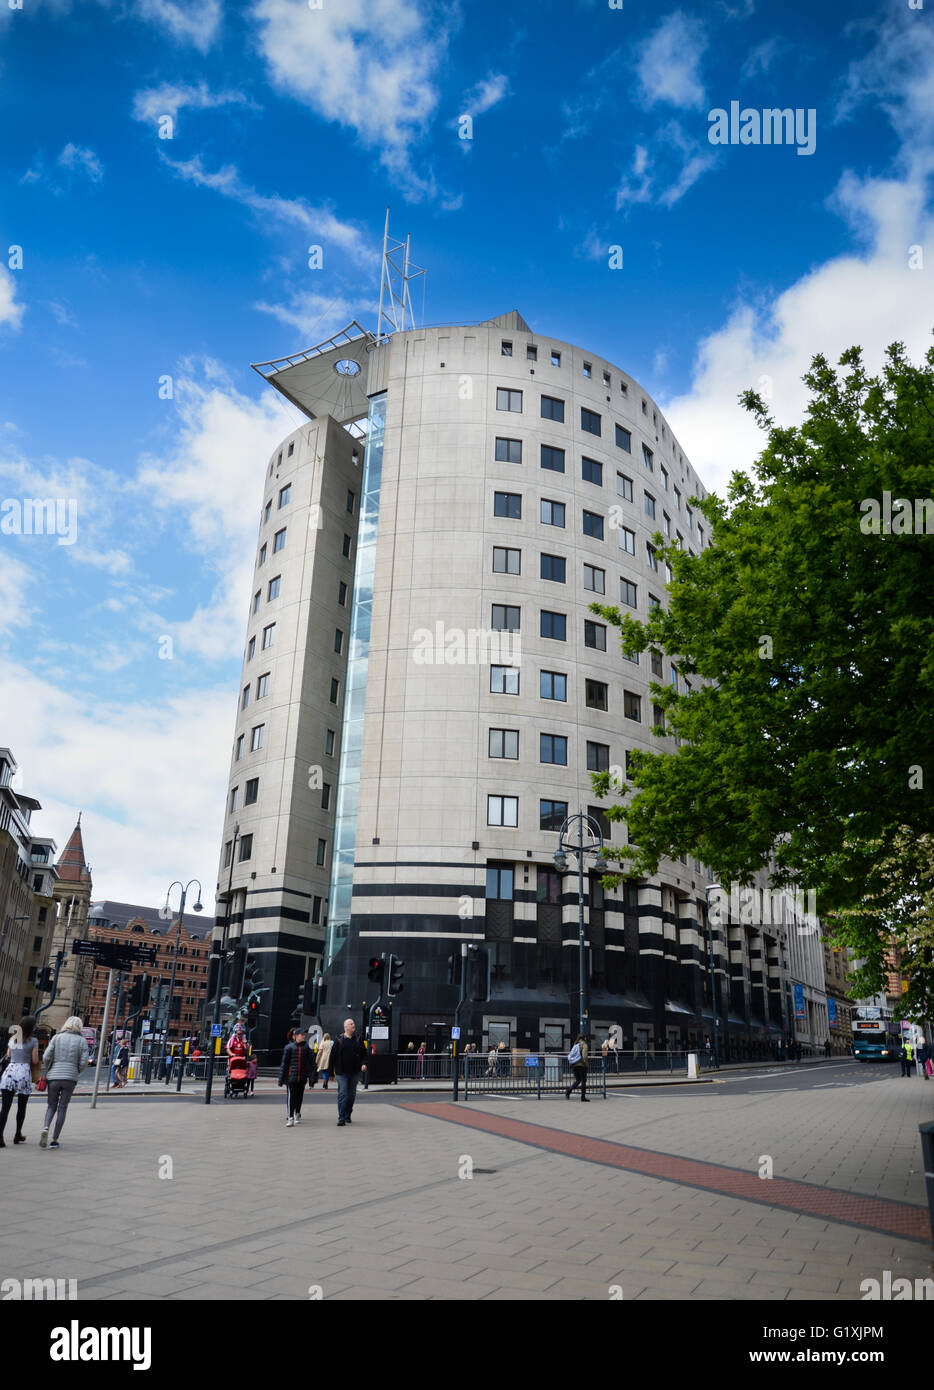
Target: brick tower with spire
{"x":72,"y":897}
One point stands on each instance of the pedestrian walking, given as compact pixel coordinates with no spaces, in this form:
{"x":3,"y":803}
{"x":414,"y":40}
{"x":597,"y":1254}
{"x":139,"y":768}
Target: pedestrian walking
{"x":577,"y":1059}
{"x":491,"y":1062}
{"x":237,"y":1043}
{"x":23,"y":1068}
{"x":123,"y":1065}
{"x":420,"y":1060}
{"x":827,"y":1048}
{"x":924,"y":1058}
{"x":251,"y":1070}
{"x":294,"y":1071}
{"x":605,"y":1050}
{"x":348,"y":1060}
{"x":323,"y":1060}
{"x":63,"y":1061}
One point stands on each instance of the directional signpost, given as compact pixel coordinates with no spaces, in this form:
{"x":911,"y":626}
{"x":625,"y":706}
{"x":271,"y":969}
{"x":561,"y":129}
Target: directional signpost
{"x":112,"y":956}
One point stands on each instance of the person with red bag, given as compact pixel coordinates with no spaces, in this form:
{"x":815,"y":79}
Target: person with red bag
{"x":63,"y":1061}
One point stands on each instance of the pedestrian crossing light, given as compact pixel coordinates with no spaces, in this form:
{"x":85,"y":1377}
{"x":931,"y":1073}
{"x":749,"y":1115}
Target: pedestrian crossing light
{"x":377,"y":969}
{"x":395,"y":973}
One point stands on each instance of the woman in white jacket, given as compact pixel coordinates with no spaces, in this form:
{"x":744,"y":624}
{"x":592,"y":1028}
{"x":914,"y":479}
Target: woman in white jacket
{"x":63,"y":1061}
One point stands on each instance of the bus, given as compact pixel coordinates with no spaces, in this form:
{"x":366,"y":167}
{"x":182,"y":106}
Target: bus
{"x":875,"y":1037}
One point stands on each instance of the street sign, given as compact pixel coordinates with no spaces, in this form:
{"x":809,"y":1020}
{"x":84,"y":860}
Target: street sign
{"x":455,"y":1034}
{"x":146,"y":1026}
{"x":379,"y":1032}
{"x":531,"y":1061}
{"x":215,"y":1030}
{"x":113,"y":955}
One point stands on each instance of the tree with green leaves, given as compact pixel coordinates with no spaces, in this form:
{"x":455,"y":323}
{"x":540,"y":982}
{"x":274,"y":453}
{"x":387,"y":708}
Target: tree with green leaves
{"x":801,"y":735}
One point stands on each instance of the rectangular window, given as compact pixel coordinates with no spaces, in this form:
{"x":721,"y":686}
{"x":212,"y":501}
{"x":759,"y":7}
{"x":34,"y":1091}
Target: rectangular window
{"x":605,"y":825}
{"x":329,"y":743}
{"x":552,"y":458}
{"x":506,"y":561}
{"x":588,"y":369}
{"x":552,"y":685}
{"x":664,"y":475}
{"x":508,"y":400}
{"x":325,"y":795}
{"x":666,"y":523}
{"x":627,"y":593}
{"x":505,"y":618}
{"x":262,"y":686}
{"x":342,"y":593}
{"x":595,"y":635}
{"x":673,"y":677}
{"x":531,"y":352}
{"x":689,"y":515}
{"x":624,"y":439}
{"x":677,"y":498}
{"x":658,"y":717}
{"x":592,"y":471}
{"x":315,"y":910}
{"x":234,"y":794}
{"x":624,"y":389}
{"x":606,"y":379}
{"x":595,"y":579}
{"x":335,"y":690}
{"x":251,"y":792}
{"x":504,"y":680}
{"x":506,"y":349}
{"x":499,"y":883}
{"x":268,"y":635}
{"x":624,"y":486}
{"x":552,"y":409}
{"x":346,"y":546}
{"x":257,"y":600}
{"x":509,"y":450}
{"x":632,"y":706}
{"x":504,"y":743}
{"x":648,"y":504}
{"x":553,"y":748}
{"x":351,"y":500}
{"x":598,"y":757}
{"x":251,"y":649}
{"x":595,"y":695}
{"x":656,"y":660}
{"x":554,"y":625}
{"x":256,"y":737}
{"x":654,"y":603}
{"x":284,"y":495}
{"x":278,"y":541}
{"x":246,"y":847}
{"x":648,"y":458}
{"x":590,"y":421}
{"x":262,"y":554}
{"x":552,"y":513}
{"x":245,"y":699}
{"x":338,"y":640}
{"x":593,"y":525}
{"x":556,"y":359}
{"x":553,"y":568}
{"x":502,"y":810}
{"x":552,"y":814}
{"x":267,"y":511}
{"x":238,"y":748}
{"x":291,"y":449}
{"x":626,"y":540}
{"x":322,"y":851}
{"x":508,"y":504}
{"x":652,"y":556}
{"x":228,"y":850}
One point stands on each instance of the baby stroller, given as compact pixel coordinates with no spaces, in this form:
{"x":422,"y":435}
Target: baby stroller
{"x":236,"y":1081}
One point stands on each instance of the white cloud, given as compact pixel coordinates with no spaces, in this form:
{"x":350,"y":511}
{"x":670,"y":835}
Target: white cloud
{"x":152,"y":103}
{"x":81,"y":160}
{"x":369,"y":65}
{"x":317,"y":316}
{"x":485,"y":95}
{"x":17,"y":584}
{"x":761,"y":58}
{"x":11,"y":313}
{"x":669,"y":62}
{"x":665,"y":176}
{"x":62,"y":315}
{"x":189,"y":21}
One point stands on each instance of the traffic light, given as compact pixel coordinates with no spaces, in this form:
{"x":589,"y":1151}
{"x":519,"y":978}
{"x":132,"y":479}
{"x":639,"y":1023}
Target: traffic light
{"x":252,"y":978}
{"x":478,"y":974}
{"x":394,"y":975}
{"x":145,"y":990}
{"x":252,"y":1011}
{"x":377,"y":969}
{"x":132,"y":999}
{"x":44,"y":980}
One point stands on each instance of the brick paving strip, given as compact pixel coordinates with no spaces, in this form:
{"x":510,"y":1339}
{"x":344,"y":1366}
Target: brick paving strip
{"x":826,"y":1203}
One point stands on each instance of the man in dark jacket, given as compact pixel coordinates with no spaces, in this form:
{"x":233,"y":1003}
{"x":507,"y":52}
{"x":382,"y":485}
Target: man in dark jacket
{"x":348,"y":1060}
{"x":297,"y":1062}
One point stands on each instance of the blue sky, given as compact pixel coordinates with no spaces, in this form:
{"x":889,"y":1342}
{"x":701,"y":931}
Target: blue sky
{"x":186,"y":257}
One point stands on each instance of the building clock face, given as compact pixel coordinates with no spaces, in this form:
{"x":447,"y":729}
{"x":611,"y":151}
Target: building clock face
{"x":347,"y":367}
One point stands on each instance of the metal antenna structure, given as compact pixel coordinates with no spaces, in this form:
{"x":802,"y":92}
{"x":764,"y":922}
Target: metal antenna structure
{"x":395,"y":300}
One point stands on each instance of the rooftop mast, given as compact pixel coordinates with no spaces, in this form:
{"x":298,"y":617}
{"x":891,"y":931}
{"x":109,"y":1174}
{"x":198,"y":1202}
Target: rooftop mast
{"x":395,"y":301}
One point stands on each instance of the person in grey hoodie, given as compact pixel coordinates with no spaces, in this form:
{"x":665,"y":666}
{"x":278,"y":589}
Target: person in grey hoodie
{"x":63,"y":1061}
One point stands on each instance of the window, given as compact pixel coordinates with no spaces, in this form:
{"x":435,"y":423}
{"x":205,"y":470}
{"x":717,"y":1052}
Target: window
{"x":554,"y":625}
{"x":623,"y":439}
{"x":506,"y":561}
{"x":656,"y":659}
{"x":274,"y":586}
{"x":531,"y":352}
{"x":553,"y":748}
{"x":648,"y":458}
{"x":509,"y":450}
{"x":606,"y":379}
{"x":592,"y":471}
{"x":632,"y":706}
{"x":325,"y":795}
{"x":346,"y":546}
{"x":267,"y":510}
{"x":291,"y":448}
{"x":257,"y":600}
{"x":335,"y":690}
{"x":648,"y":504}
{"x":504,"y":743}
{"x":588,"y":370}
{"x":245,"y":700}
{"x":342,"y":593}
{"x":624,"y":389}
{"x":595,"y":579}
{"x":624,"y":486}
{"x":228,"y":848}
{"x":505,"y":618}
{"x":666,"y":523}
{"x":499,"y":882}
{"x":627,"y":593}
{"x":556,"y":359}
{"x":629,"y":765}
{"x":690,"y":516}
{"x":598,"y":757}
{"x":338,"y":640}
{"x":595,"y":635}
{"x":552,"y":409}
{"x":552,"y":814}
{"x":268,"y":635}
{"x":673,"y":677}
{"x":626,"y":540}
{"x":504,"y":680}
{"x":262,"y":686}
{"x":677,"y":498}
{"x":251,"y":792}
{"x":506,"y":349}
{"x":700,"y":532}
{"x":644,"y":411}
{"x":502,"y":810}
{"x":680,"y":540}
{"x":278,"y":541}
{"x":262,"y":554}
{"x":552,"y":513}
{"x":606,"y":830}
{"x":595,"y":694}
{"x":238,"y":748}
{"x":351,"y":500}
{"x":256,"y":737}
{"x":284,"y":495}
{"x":664,"y":473}
{"x":234,"y":794}
{"x":315,"y":909}
{"x":246,"y":847}
{"x":329,"y":743}
{"x":251,"y":649}
{"x":652,"y":556}
{"x":590,"y":421}
{"x":552,"y":685}
{"x":593,"y":525}
{"x":322,"y":851}
{"x":552,"y":458}
{"x":553,"y":568}
{"x":508,"y":504}
{"x":508,"y":400}
{"x":658,"y":717}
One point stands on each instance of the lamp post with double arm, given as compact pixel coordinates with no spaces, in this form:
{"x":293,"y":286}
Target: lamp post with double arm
{"x":593,"y":846}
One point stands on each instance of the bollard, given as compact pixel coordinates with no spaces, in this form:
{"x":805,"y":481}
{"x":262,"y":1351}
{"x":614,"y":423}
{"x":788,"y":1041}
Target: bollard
{"x":927,"y":1153}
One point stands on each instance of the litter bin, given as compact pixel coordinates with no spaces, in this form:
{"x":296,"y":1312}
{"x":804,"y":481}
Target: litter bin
{"x":927,"y":1154}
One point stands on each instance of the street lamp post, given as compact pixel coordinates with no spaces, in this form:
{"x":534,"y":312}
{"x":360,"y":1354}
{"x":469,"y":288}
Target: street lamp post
{"x":713,"y":887}
{"x":178,"y":936}
{"x":220,"y":968}
{"x":566,"y":847}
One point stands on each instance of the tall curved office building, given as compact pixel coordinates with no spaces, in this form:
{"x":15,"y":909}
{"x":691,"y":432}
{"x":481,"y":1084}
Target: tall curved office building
{"x":426,"y":694}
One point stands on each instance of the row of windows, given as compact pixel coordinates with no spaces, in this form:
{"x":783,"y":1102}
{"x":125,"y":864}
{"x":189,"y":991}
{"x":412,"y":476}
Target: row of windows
{"x":284,"y":494}
{"x":508,"y":505}
{"x":258,"y":732}
{"x":503,"y":811}
{"x":245,"y":852}
{"x":268,"y":632}
{"x":507,"y":560}
{"x":531,"y":355}
{"x":262,"y":689}
{"x":553,"y":685}
{"x":552,"y":748}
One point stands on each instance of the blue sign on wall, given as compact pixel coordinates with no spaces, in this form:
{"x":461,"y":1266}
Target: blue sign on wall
{"x":831,"y":1011}
{"x":800,"y":1011}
